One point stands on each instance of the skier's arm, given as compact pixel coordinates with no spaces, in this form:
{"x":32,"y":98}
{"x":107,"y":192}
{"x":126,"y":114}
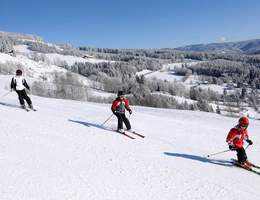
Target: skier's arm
{"x":127,"y":105}
{"x":250,"y":142}
{"x":25,"y":84}
{"x":113,"y":107}
{"x":12,"y":85}
{"x":231,"y":136}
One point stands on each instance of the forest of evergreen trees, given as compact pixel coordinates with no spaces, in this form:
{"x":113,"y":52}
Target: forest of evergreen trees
{"x":119,"y":73}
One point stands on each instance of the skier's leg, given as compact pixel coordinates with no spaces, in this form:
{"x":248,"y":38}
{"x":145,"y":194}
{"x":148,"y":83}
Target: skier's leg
{"x":241,"y":155}
{"x":120,"y":121}
{"x":28,"y":100}
{"x":249,"y":163}
{"x":126,"y":121}
{"x":20,"y":97}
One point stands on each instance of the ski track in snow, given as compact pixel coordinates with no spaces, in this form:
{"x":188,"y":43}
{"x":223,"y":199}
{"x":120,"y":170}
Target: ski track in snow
{"x":61,"y":152}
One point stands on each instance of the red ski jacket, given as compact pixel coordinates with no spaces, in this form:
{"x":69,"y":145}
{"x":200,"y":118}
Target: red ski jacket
{"x":236,"y":137}
{"x":119,"y":105}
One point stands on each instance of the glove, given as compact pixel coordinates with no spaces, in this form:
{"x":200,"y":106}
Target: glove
{"x":130,"y":112}
{"x":249,"y":142}
{"x":231,"y":147}
{"x":114,"y":112}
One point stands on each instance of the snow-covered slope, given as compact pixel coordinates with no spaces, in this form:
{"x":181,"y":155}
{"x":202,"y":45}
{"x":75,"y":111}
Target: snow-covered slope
{"x":42,"y":71}
{"x":54,"y":58}
{"x":71,"y":60}
{"x":62,"y":152}
{"x":32,"y":68}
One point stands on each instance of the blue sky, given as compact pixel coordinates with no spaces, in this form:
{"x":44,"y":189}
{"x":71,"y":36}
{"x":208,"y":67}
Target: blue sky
{"x":133,"y":23}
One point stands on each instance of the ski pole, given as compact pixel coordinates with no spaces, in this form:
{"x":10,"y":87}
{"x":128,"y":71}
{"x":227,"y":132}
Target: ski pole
{"x":5,"y":94}
{"x":218,"y":153}
{"x":247,"y":146}
{"x":107,"y":120}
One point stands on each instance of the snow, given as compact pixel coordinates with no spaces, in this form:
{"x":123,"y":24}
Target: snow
{"x":71,"y":60}
{"x":171,"y":66}
{"x":100,"y":93}
{"x":165,"y":75}
{"x":35,"y":71}
{"x":216,"y":88}
{"x":167,"y":72}
{"x":183,"y":99}
{"x":143,"y":72}
{"x":39,"y":69}
{"x":177,"y":98}
{"x":6,"y":58}
{"x":192,"y":79}
{"x":56,"y":46}
{"x":22,"y":49}
{"x":62,"y":152}
{"x":251,"y":113}
{"x":35,"y":68}
{"x":55,"y":58}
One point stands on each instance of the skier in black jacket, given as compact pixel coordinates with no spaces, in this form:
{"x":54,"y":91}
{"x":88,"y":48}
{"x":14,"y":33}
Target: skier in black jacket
{"x":19,"y":84}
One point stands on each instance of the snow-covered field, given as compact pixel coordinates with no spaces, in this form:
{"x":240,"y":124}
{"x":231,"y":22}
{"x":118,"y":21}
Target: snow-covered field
{"x":167,"y":72}
{"x":54,"y":58}
{"x":165,"y":75}
{"x":22,"y":49}
{"x":71,"y":60}
{"x":61,"y":152}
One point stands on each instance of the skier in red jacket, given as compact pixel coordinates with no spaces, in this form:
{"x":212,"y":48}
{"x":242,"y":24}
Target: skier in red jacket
{"x":119,"y":105}
{"x":235,"y":140}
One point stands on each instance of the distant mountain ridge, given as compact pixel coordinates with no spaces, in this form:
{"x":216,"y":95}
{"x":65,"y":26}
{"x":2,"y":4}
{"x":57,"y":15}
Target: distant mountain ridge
{"x":250,"y":47}
{"x":243,"y":47}
{"x":21,"y":37}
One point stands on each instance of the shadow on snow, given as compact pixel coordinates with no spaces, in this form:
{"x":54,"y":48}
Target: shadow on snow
{"x":201,"y":159}
{"x":88,"y":124}
{"x":9,"y":105}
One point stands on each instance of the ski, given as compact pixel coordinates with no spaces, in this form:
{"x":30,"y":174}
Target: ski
{"x":26,"y":109}
{"x":125,"y":134}
{"x":248,"y":169}
{"x":255,"y":166}
{"x":32,"y":108}
{"x":135,"y":133}
{"x":129,"y":136}
{"x":249,"y":163}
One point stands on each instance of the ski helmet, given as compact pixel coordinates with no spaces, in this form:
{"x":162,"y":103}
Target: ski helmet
{"x":243,"y":121}
{"x":19,"y":72}
{"x":120,"y":93}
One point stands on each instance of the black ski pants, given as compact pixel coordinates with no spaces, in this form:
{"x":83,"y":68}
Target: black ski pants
{"x":122,"y":118}
{"x":22,"y":95}
{"x":241,"y":155}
